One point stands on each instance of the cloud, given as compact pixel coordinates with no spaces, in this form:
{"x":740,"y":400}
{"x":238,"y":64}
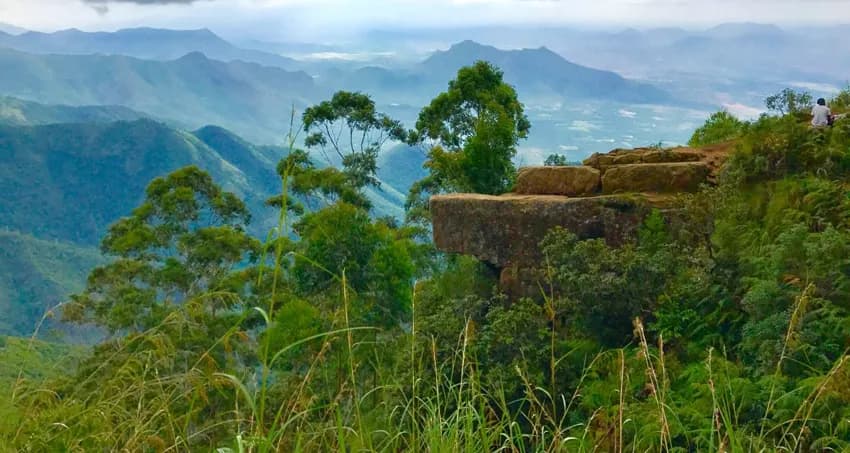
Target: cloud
{"x":102,"y":6}
{"x":140,"y":2}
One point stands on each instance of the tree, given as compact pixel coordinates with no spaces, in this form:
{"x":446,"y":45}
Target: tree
{"x":719,"y":127}
{"x":789,"y":102}
{"x":840,"y":103}
{"x":350,"y":132}
{"x":558,"y":160}
{"x":472,"y":130}
{"x":377,"y":259}
{"x":183,"y":243}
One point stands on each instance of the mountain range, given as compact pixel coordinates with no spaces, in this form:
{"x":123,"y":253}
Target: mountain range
{"x":214,"y":83}
{"x":145,"y":43}
{"x":194,"y":90}
{"x":10,"y":29}
{"x":69,"y":181}
{"x":543,"y":72}
{"x":18,"y":112}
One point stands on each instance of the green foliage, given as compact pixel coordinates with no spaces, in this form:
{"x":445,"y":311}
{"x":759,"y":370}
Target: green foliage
{"x":35,"y":277}
{"x":473,"y":129}
{"x":349,"y":126}
{"x":350,"y":133}
{"x":723,"y":326}
{"x":600,"y":299}
{"x":29,"y":362}
{"x":555,"y":160}
{"x":295,"y":321}
{"x":790,"y":102}
{"x":775,"y":147}
{"x":840,"y":103}
{"x":720,"y":127}
{"x":185,"y":240}
{"x":328,"y":184}
{"x":375,"y":258}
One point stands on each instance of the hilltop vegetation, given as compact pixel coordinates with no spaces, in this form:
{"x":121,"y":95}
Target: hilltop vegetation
{"x":721,"y":327}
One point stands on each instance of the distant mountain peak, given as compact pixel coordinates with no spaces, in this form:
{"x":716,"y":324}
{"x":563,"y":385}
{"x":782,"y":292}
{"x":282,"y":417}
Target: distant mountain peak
{"x":10,"y":29}
{"x":66,"y":31}
{"x":467,"y":44}
{"x":194,"y":57}
{"x":738,"y":29}
{"x":204,"y":32}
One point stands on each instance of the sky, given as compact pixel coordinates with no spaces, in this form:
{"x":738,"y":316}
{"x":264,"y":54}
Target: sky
{"x":314,"y":19}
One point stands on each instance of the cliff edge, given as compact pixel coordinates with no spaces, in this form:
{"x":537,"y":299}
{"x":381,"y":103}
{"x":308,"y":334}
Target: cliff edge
{"x":607,"y":197}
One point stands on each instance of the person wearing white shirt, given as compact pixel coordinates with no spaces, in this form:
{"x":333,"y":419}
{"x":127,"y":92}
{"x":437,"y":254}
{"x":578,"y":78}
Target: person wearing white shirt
{"x":821,"y":114}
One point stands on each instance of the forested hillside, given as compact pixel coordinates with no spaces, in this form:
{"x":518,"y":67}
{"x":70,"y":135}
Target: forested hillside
{"x":70,"y":181}
{"x":37,"y":276}
{"x":18,"y":112}
{"x":70,"y":172}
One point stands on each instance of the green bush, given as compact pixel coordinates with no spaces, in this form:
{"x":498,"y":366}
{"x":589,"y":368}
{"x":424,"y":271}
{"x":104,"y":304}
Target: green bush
{"x":719,"y":127}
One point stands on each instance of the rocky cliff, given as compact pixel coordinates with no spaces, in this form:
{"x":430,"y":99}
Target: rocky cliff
{"x":608,"y":197}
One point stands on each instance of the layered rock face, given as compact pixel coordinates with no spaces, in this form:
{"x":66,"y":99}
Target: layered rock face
{"x":608,"y":197}
{"x":506,"y":230}
{"x":658,"y":178}
{"x":568,"y":181}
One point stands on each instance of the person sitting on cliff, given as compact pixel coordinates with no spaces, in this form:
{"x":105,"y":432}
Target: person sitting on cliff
{"x":821,"y":115}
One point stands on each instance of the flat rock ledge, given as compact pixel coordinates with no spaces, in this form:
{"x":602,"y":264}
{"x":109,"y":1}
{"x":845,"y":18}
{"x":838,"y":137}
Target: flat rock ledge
{"x":658,"y":178}
{"x":507,"y":230}
{"x":577,"y":181}
{"x":608,"y":198}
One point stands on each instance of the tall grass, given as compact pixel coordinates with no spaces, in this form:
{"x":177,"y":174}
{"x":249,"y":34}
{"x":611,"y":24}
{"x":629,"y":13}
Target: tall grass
{"x":438,"y":405}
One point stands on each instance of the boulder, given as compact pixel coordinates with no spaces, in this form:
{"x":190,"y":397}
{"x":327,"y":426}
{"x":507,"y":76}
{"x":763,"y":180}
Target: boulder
{"x":627,"y":158}
{"x":600,"y":161}
{"x":643,"y":156}
{"x":658,"y":178}
{"x":569,"y":181}
{"x":507,"y":230}
{"x":669,"y":155}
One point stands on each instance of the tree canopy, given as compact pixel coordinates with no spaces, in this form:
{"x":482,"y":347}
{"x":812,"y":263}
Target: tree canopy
{"x":186,"y":239}
{"x":471,"y":131}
